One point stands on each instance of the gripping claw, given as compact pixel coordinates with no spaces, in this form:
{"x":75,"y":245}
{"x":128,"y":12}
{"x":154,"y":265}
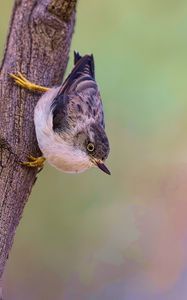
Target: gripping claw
{"x":26,"y":84}
{"x":34,"y":162}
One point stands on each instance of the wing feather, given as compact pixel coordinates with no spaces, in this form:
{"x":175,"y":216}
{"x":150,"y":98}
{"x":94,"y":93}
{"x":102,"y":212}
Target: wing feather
{"x":78,"y":97}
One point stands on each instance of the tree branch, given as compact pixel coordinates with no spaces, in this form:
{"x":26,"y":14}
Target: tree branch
{"x":38,"y":45}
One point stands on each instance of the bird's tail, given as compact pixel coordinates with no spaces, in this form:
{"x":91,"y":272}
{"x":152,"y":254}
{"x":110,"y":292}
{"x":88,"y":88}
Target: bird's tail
{"x":77,"y":57}
{"x":82,"y":70}
{"x":84,"y":64}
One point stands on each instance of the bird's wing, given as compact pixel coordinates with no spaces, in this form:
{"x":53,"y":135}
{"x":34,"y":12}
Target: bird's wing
{"x":78,"y":97}
{"x":83,"y":107}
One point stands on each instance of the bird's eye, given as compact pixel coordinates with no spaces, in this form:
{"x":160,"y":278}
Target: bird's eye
{"x":90,"y":147}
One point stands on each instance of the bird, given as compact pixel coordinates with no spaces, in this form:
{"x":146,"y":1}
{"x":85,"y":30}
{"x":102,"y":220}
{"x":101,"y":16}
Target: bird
{"x":69,"y":121}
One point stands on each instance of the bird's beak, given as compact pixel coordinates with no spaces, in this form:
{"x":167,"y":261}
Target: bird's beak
{"x":100,"y":164}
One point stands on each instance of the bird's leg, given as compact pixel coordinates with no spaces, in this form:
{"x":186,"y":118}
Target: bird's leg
{"x":34,"y":162}
{"x":26,"y":84}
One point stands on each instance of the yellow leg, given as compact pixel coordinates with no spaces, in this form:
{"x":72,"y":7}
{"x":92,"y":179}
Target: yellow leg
{"x":23,"y":82}
{"x":34,"y":162}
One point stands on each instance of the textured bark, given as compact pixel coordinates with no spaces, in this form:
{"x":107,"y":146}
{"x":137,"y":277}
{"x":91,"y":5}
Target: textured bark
{"x":38,"y":46}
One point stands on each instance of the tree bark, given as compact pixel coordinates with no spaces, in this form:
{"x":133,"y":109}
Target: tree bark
{"x":38,"y":46}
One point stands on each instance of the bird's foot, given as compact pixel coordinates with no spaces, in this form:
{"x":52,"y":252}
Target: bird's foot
{"x":34,"y":162}
{"x":26,"y":84}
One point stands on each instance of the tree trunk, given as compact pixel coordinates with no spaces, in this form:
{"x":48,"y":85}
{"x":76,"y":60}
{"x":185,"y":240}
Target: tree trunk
{"x":37,"y":46}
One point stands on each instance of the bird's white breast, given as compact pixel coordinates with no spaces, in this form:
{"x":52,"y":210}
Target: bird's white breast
{"x":58,"y":153}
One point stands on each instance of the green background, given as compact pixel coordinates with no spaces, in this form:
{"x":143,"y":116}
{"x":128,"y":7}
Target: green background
{"x":120,"y":237}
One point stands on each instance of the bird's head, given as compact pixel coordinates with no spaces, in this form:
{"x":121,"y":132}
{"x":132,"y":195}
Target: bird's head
{"x":93,"y":142}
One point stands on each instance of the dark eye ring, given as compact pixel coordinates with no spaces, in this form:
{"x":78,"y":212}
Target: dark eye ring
{"x":90,"y":147}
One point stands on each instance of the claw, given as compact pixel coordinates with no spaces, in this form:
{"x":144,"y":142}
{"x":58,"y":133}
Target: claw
{"x":34,"y":162}
{"x":23,"y":82}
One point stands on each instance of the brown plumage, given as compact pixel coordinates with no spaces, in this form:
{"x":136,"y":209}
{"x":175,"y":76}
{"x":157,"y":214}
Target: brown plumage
{"x":77,"y":117}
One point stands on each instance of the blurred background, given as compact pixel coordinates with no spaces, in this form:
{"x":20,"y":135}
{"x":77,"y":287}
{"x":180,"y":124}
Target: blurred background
{"x":119,"y":237}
